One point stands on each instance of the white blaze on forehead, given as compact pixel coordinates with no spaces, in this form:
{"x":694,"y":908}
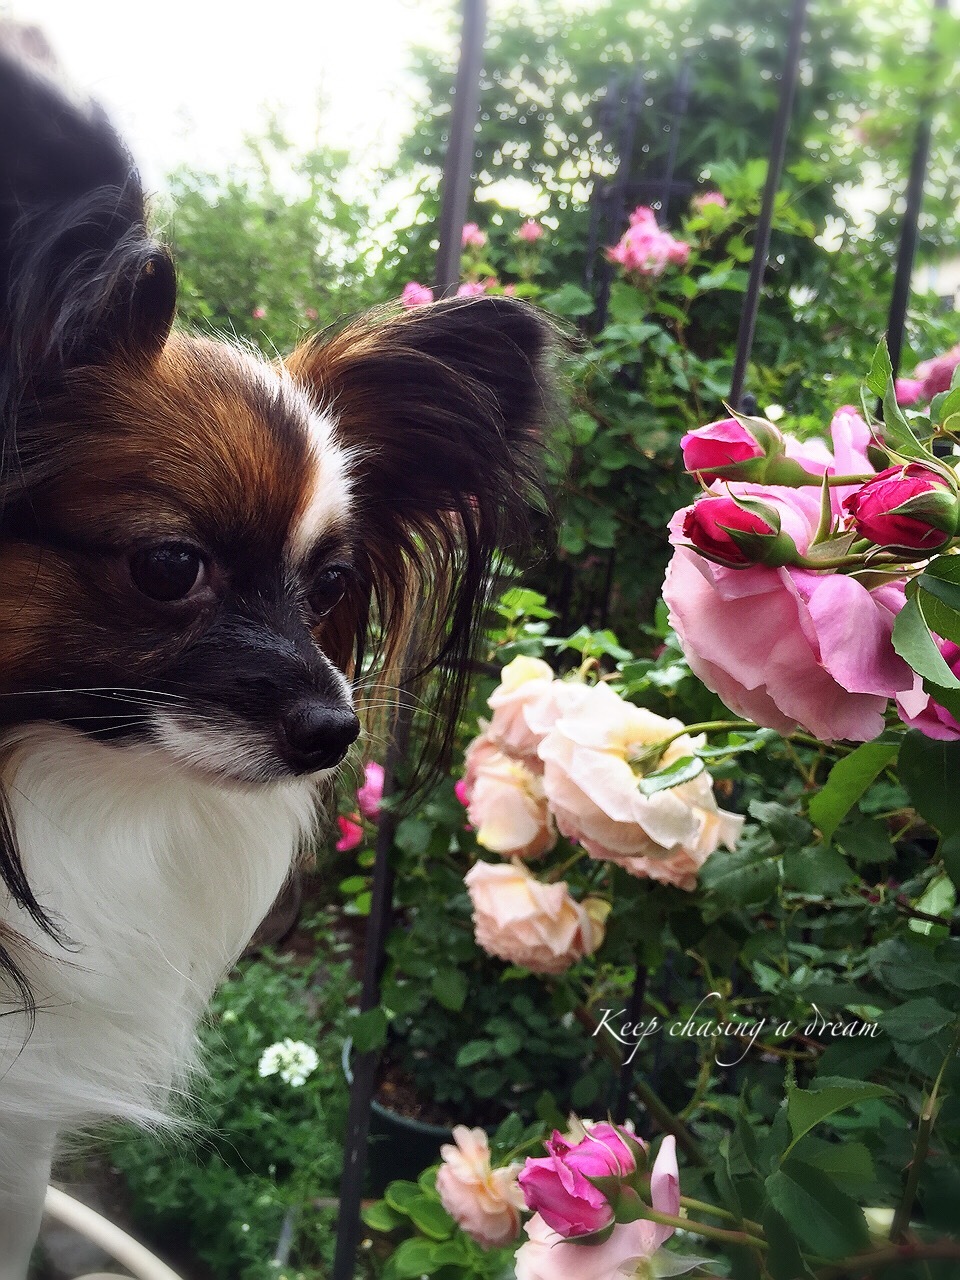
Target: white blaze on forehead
{"x":328,"y":486}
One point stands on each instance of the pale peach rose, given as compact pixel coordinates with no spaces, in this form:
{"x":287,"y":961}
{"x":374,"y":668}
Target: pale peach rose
{"x":484,"y":1202}
{"x":591,"y":768}
{"x":522,"y":683}
{"x":506,"y":805}
{"x":538,"y":926}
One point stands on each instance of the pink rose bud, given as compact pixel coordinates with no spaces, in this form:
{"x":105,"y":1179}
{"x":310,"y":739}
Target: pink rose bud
{"x":472,"y":289}
{"x":706,"y":198}
{"x":717,"y":450}
{"x":908,"y":390}
{"x":737,"y":532}
{"x":473,"y":237}
{"x":351,"y":833}
{"x":370,"y":794}
{"x":907,"y":506}
{"x":531,"y":231}
{"x":557,"y":1187}
{"x":258,"y":313}
{"x":416,"y":295}
{"x":937,"y":374}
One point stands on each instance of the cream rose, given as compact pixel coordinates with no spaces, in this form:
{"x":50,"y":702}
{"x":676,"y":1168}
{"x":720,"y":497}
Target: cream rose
{"x":538,"y":926}
{"x":506,"y":804}
{"x":484,"y":1202}
{"x":523,"y":682}
{"x":591,"y":767}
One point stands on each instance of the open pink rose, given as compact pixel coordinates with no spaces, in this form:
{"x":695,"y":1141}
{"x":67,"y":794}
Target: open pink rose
{"x":472,"y":237}
{"x":644,"y":249}
{"x":370,"y":795}
{"x":506,"y":804}
{"x":484,"y":1202}
{"x":351,"y":834}
{"x":591,"y":757}
{"x":546,"y":1255}
{"x":538,"y":926}
{"x":557,"y":1185}
{"x":416,"y":295}
{"x":937,"y":373}
{"x":919,"y":711}
{"x":788,"y":647}
{"x":530,"y":231}
{"x":472,"y":289}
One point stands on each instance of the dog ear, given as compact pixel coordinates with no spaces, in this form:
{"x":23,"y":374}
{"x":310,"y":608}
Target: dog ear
{"x":442,"y":409}
{"x":80,"y":278}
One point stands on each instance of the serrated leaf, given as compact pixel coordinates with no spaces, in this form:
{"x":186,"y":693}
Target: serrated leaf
{"x":881,"y":369}
{"x":807,"y":1108}
{"x":674,"y":775}
{"x":914,"y":643}
{"x":450,"y":988}
{"x":823,"y":1217}
{"x":847,"y":781}
{"x":928,"y":771}
{"x":917,"y":1020}
{"x":784,"y":1260}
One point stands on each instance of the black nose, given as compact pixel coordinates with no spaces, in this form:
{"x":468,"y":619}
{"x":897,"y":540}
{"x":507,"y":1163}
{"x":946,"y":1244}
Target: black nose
{"x":313,"y":735}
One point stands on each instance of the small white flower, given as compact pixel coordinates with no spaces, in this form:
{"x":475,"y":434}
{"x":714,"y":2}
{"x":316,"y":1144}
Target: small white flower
{"x":775,"y":412}
{"x":292,"y":1060}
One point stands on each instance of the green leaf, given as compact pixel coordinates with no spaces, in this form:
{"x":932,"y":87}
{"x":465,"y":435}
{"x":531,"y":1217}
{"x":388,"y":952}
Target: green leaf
{"x":450,"y":988}
{"x":429,"y":1216}
{"x":881,"y":370}
{"x":818,"y":871}
{"x":847,"y":781}
{"x":570,"y":300}
{"x":807,"y":1108}
{"x":917,"y":1020}
{"x":914,"y":643}
{"x":474,"y":1051}
{"x":823,"y":1217}
{"x":929,"y":770}
{"x":380,"y":1217}
{"x":400,"y":1195}
{"x":784,"y":1259}
{"x":683,"y":770}
{"x":415,"y":1258}
{"x":369,"y":1030}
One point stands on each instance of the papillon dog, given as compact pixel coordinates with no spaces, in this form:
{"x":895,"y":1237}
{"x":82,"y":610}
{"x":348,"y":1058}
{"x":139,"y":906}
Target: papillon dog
{"x":207,"y":558}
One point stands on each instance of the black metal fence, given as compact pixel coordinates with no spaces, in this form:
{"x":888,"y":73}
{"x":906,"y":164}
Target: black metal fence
{"x":618,"y":119}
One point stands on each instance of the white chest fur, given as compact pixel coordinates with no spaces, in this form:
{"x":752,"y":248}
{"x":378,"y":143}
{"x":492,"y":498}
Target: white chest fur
{"x":158,"y":879}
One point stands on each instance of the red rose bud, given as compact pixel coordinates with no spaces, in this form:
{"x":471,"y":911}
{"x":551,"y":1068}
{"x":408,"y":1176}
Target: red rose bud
{"x":731,"y":449}
{"x":908,"y":506}
{"x":738,"y":532}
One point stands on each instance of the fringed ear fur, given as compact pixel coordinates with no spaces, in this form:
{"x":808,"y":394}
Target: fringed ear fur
{"x":443,"y":408}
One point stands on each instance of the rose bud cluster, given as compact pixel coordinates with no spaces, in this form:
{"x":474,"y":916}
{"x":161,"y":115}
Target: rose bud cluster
{"x":911,"y":508}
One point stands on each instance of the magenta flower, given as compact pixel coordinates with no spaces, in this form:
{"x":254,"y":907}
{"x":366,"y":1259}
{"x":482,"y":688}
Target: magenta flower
{"x":556,"y":1187}
{"x":416,"y":295}
{"x":351,"y":833}
{"x":908,"y":390}
{"x":472,"y":289}
{"x":258,"y":313}
{"x":710,"y":523}
{"x":906,"y":506}
{"x":530,"y":232}
{"x":937,"y":373}
{"x":718,"y":444}
{"x":370,"y":795}
{"x":644,"y":249}
{"x":472,"y":237}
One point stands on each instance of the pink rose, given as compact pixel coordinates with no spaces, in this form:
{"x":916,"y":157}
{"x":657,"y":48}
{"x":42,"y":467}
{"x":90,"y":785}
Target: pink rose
{"x":882,"y":508}
{"x":678,"y":252}
{"x":590,"y":780}
{"x":719,"y":444}
{"x":416,"y":295}
{"x":472,"y":237}
{"x":936,"y":374}
{"x":908,"y":391}
{"x":918,"y":710}
{"x":538,"y":926}
{"x":310,"y":313}
{"x":351,"y":834}
{"x":460,"y":791}
{"x":530,"y":232}
{"x":258,"y":313}
{"x":557,"y":1188}
{"x":709,"y":523}
{"x":472,"y":289}
{"x":484,"y":1202}
{"x":506,"y":804}
{"x":787,"y":647}
{"x":523,"y":682}
{"x":705,"y":198}
{"x":546,"y":1255}
{"x":370,"y":795}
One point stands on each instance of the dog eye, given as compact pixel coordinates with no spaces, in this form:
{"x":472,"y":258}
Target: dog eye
{"x":328,"y":590}
{"x":169,"y":571}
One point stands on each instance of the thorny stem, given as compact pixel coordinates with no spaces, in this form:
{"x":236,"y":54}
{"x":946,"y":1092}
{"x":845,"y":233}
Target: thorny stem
{"x":701,"y":1206}
{"x":912,"y":1251}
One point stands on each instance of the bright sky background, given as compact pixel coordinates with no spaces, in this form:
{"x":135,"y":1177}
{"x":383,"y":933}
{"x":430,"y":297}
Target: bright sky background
{"x":184,"y":80}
